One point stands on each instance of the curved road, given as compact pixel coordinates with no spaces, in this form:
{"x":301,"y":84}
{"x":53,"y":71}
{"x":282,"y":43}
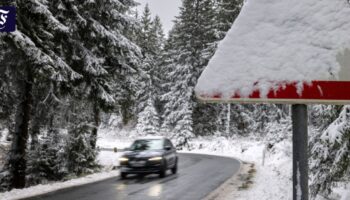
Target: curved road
{"x":197,"y":177}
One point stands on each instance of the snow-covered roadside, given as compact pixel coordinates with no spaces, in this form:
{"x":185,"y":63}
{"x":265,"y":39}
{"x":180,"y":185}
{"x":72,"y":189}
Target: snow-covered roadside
{"x":273,"y":176}
{"x":109,"y":139}
{"x":108,"y":160}
{"x":43,"y":189}
{"x":271,"y":181}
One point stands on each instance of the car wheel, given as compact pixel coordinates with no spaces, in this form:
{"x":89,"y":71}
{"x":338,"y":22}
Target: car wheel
{"x":162,"y":172}
{"x":123,"y":175}
{"x":174,"y":169}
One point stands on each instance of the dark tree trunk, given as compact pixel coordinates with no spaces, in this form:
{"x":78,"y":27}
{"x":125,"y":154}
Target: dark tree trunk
{"x":17,"y":160}
{"x":97,"y":120}
{"x":40,"y":111}
{"x":35,"y":132}
{"x":34,"y":137}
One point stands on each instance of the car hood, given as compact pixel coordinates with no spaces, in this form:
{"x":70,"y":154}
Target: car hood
{"x":143,"y":154}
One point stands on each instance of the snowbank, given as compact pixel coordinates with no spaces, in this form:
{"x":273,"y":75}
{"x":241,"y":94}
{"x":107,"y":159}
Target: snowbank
{"x":272,"y":181}
{"x":108,"y":159}
{"x":280,"y":41}
{"x":43,"y":189}
{"x":112,"y":138}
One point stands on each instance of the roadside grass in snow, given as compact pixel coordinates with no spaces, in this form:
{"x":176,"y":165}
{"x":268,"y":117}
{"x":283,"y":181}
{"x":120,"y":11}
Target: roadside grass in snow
{"x":270,"y":174}
{"x":107,"y":159}
{"x":43,"y":189}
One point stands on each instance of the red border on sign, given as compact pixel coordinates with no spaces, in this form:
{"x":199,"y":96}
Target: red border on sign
{"x":316,"y":91}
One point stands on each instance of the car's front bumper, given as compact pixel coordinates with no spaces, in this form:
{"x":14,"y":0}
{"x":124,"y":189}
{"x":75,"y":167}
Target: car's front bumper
{"x":149,"y":167}
{"x":140,"y":170}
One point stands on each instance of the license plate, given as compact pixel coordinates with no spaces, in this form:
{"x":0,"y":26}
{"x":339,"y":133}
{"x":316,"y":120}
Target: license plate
{"x":138,"y":163}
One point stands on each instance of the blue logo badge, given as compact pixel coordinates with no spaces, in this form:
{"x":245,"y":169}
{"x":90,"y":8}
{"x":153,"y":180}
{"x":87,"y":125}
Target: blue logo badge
{"x":7,"y":18}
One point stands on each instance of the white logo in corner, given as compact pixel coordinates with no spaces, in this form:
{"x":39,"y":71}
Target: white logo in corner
{"x":3,"y":18}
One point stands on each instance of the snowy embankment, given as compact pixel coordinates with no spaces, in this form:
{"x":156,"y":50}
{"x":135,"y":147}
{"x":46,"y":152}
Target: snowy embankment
{"x":273,"y":164}
{"x":272,"y":179}
{"x":108,"y":159}
{"x":43,"y":189}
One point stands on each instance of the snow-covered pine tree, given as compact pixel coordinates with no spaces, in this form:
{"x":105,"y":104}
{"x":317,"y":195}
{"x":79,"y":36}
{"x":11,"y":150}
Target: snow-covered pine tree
{"x":205,"y":119}
{"x":321,"y":116}
{"x":184,"y":127}
{"x":227,"y":12}
{"x":146,"y":88}
{"x":107,"y":58}
{"x":7,"y":87}
{"x":188,"y":52}
{"x":235,"y":119}
{"x":330,"y":153}
{"x":81,"y":154}
{"x":36,"y":46}
{"x":145,"y":38}
{"x":148,"y":120}
{"x":48,"y":160}
{"x":7,"y":91}
{"x":151,"y":43}
{"x":157,"y":34}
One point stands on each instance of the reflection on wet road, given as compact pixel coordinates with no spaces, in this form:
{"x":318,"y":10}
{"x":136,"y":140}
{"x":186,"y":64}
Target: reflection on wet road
{"x":198,"y":175}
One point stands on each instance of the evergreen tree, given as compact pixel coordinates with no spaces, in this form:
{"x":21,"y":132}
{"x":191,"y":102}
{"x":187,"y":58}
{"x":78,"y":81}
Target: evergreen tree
{"x":145,"y":41}
{"x":191,"y":44}
{"x":67,"y":47}
{"x":188,"y":53}
{"x":330,"y":160}
{"x":103,"y":54}
{"x":158,"y":36}
{"x":37,"y":46}
{"x":227,"y":12}
{"x":151,"y":43}
{"x":148,"y":120}
{"x":321,"y":116}
{"x":48,"y":160}
{"x":114,"y":56}
{"x":81,"y":154}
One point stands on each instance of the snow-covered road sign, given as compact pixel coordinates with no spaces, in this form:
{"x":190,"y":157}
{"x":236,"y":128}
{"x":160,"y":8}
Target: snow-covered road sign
{"x":283,"y":52}
{"x":322,"y":92}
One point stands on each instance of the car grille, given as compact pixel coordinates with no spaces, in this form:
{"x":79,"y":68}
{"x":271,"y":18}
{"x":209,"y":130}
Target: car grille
{"x":138,"y":159}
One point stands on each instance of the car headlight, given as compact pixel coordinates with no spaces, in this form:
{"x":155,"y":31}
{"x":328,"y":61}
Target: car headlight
{"x":155,"y":158}
{"x":123,"y":159}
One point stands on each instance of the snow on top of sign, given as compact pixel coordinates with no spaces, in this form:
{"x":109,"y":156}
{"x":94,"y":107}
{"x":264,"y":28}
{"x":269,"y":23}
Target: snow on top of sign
{"x":274,"y":41}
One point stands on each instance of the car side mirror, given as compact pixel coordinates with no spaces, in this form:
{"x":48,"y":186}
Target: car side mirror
{"x":168,"y":148}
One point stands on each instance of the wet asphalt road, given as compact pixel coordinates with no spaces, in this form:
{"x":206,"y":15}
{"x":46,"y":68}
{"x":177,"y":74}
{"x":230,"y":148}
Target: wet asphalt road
{"x":198,"y":175}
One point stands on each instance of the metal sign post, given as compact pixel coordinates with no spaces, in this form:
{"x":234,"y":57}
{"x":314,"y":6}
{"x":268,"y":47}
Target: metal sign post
{"x":300,"y":152}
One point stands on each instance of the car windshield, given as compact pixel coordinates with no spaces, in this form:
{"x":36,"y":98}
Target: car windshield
{"x":144,"y":145}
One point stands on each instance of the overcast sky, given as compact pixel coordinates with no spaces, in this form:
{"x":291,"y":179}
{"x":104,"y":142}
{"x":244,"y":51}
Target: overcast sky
{"x":165,"y":9}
